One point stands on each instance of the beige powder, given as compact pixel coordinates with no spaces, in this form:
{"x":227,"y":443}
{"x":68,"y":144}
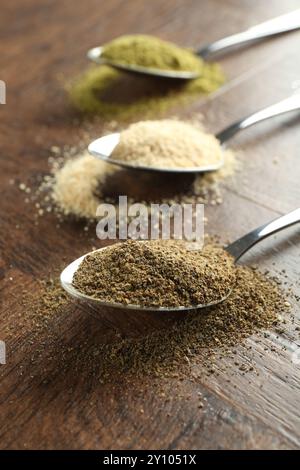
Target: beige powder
{"x":79,"y":184}
{"x":75,"y":185}
{"x":167,"y":143}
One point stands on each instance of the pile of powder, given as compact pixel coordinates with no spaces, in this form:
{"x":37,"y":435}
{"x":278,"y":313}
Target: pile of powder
{"x":43,"y":302}
{"x":111,"y":94}
{"x":198,"y":341}
{"x":190,"y":346}
{"x":77,"y":185}
{"x":167,"y":143}
{"x":156,"y":273}
{"x":151,"y":52}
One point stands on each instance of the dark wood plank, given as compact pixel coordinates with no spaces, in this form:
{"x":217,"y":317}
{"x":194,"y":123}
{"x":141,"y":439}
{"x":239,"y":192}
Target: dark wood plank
{"x":48,"y":399}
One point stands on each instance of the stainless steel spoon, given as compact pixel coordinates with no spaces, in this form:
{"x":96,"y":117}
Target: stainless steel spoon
{"x":235,"y":249}
{"x":104,"y":146}
{"x":278,"y":25}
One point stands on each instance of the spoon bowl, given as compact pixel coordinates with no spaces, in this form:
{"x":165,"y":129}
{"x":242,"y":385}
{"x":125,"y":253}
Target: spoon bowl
{"x":279,"y":25}
{"x":66,"y":279}
{"x":235,"y":249}
{"x":95,"y":54}
{"x":104,"y":146}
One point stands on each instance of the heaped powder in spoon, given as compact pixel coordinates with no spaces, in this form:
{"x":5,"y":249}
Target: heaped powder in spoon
{"x":112,"y":94}
{"x":156,"y":273}
{"x":167,"y":143}
{"x":149,"y":51}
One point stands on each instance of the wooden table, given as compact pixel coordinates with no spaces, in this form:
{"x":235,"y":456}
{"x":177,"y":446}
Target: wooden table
{"x":46,"y":406}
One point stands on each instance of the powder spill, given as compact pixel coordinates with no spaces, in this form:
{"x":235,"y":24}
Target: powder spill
{"x":78,"y":184}
{"x":191,"y":345}
{"x":167,"y":143}
{"x":199,"y":337}
{"x":151,"y":52}
{"x":75,"y":185}
{"x":156,"y":273}
{"x":43,"y":308}
{"x":111,"y":94}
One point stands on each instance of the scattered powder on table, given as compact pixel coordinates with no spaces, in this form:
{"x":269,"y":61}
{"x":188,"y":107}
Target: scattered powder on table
{"x":152,"y":52}
{"x":77,"y":185}
{"x":156,"y":273}
{"x":190,"y":345}
{"x":167,"y":143}
{"x":200,"y":337}
{"x":104,"y":91}
{"x":43,"y":302}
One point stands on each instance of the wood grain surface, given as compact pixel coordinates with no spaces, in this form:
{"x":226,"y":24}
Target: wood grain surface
{"x":47,"y":403}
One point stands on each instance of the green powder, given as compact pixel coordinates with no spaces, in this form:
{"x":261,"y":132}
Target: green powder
{"x":112,"y":94}
{"x":151,"y":52}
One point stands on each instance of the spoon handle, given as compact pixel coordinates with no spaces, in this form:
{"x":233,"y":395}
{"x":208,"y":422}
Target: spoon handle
{"x":281,"y":24}
{"x":243,"y":244}
{"x":289,"y":104}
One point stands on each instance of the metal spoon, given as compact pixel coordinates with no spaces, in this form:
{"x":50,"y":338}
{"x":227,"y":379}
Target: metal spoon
{"x":104,"y":146}
{"x":235,"y":249}
{"x":278,"y":25}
